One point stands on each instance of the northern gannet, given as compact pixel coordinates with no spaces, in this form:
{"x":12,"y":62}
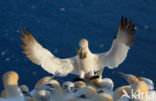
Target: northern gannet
{"x":118,"y":94}
{"x":148,"y":82}
{"x":12,"y":91}
{"x":87,"y":92}
{"x":79,"y":83}
{"x":103,"y":85}
{"x":25,"y":90}
{"x":42,"y":81}
{"x":139,"y":88}
{"x":85,"y":61}
{"x":68,"y":87}
{"x":152,"y":91}
{"x":50,"y":90}
{"x":41,"y":94}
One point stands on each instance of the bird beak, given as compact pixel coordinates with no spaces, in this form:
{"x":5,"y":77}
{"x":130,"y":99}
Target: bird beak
{"x":82,"y":54}
{"x":125,"y":76}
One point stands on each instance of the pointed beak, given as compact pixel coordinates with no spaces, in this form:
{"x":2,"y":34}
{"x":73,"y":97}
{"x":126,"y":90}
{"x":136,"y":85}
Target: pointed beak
{"x":125,"y":76}
{"x":82,"y":54}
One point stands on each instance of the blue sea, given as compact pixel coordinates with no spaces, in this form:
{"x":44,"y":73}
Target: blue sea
{"x":58,"y":25}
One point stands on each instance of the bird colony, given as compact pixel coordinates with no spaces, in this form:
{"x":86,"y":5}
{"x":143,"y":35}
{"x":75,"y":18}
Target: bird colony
{"x":90,"y":85}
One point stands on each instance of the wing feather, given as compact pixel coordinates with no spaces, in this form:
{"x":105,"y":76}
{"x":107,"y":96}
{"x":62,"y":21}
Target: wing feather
{"x":41,"y":56}
{"x":120,"y":46}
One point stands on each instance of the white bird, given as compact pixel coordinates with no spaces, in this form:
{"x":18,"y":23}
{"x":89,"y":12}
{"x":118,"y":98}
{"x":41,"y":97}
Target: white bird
{"x":139,"y":89}
{"x":103,"y":85}
{"x":12,"y":91}
{"x":50,"y":91}
{"x":79,"y":83}
{"x":68,"y":87}
{"x":152,"y":91}
{"x":25,"y":90}
{"x":85,"y":61}
{"x":86,"y":93}
{"x":41,"y":94}
{"x":148,"y":82}
{"x":122,"y":93}
{"x":42,"y":81}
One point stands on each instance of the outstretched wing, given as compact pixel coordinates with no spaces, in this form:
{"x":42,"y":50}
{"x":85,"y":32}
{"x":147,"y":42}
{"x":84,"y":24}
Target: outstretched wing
{"x":41,"y":56}
{"x":120,"y":46}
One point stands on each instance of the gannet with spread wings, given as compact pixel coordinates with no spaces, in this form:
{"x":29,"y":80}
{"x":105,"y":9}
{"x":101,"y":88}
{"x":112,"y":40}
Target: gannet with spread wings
{"x":85,"y":61}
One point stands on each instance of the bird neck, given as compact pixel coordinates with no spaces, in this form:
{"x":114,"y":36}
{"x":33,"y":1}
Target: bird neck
{"x":13,"y":91}
{"x":88,"y":50}
{"x":140,"y":88}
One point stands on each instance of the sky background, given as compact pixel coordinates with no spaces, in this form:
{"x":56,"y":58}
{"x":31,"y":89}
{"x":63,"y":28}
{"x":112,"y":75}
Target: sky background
{"x":58,"y":25}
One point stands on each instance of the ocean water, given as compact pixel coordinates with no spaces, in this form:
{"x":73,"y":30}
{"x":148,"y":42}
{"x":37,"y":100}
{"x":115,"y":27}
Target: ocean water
{"x":59,"y":25}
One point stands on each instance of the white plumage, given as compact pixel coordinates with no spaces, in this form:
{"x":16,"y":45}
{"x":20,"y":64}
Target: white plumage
{"x":85,"y":61}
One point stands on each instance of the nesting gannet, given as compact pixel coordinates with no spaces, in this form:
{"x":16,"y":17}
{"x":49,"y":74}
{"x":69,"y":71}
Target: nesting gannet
{"x":139,"y":88}
{"x":41,"y":93}
{"x":12,"y":91}
{"x":79,"y":83}
{"x":68,"y":87}
{"x":25,"y":90}
{"x":118,"y":94}
{"x":87,"y":92}
{"x":85,"y":61}
{"x":148,"y":82}
{"x":102,"y":97}
{"x":50,"y":91}
{"x":42,"y":81}
{"x":103,"y":85}
{"x":152,"y":91}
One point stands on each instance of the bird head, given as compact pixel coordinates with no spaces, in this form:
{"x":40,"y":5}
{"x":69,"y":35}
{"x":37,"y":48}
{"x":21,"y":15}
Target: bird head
{"x":68,"y":87}
{"x":82,"y":52}
{"x":10,"y":78}
{"x":129,"y":77}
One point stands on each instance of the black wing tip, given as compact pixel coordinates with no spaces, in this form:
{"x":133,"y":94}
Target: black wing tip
{"x":25,"y":31}
{"x":78,"y":79}
{"x":94,"y":77}
{"x":129,"y":27}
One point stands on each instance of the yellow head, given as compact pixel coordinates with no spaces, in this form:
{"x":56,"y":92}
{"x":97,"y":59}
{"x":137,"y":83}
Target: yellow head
{"x":42,"y":81}
{"x":129,"y":77}
{"x":83,"y":48}
{"x":10,"y":78}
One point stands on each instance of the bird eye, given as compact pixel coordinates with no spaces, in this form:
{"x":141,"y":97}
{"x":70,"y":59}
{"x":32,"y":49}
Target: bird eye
{"x":65,"y":86}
